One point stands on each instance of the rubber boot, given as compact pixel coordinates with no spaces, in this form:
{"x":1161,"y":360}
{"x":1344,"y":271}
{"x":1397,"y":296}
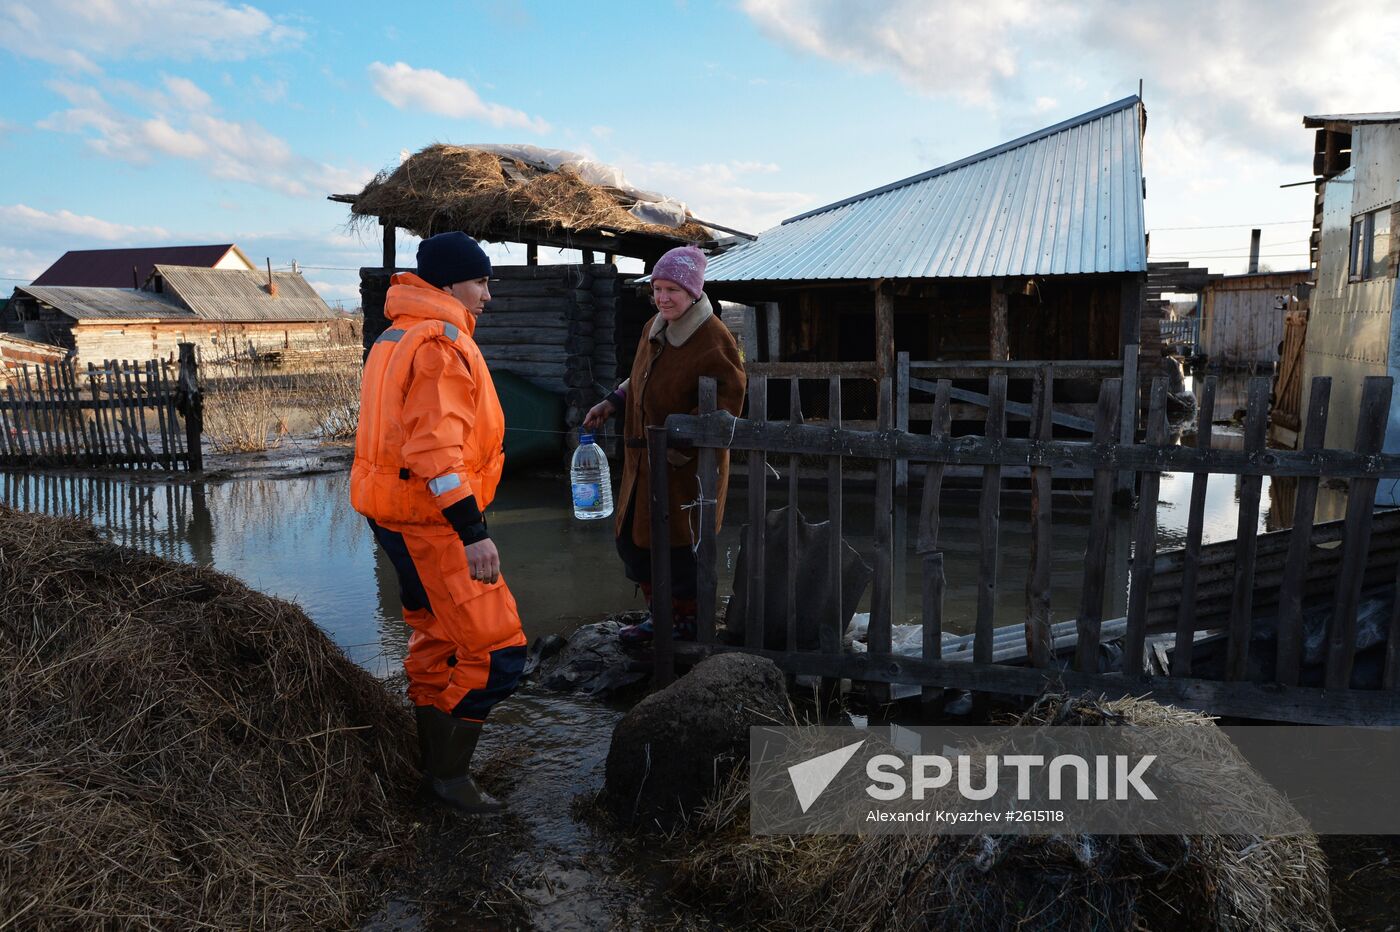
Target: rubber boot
{"x":641,"y":632}
{"x":450,"y":744}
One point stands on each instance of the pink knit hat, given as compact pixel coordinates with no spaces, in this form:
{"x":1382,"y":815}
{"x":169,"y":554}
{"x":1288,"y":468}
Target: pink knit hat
{"x":684,"y":265}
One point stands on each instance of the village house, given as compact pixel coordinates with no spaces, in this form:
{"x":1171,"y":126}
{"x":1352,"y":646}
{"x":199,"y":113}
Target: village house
{"x":1352,"y":313}
{"x":131,"y":267}
{"x":228,"y":313}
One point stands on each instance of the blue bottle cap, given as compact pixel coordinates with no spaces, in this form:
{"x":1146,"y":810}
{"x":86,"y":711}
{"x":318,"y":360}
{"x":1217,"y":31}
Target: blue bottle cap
{"x":584,"y":439}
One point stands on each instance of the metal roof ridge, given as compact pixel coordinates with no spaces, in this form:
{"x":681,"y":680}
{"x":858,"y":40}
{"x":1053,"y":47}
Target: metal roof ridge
{"x":973,"y":159}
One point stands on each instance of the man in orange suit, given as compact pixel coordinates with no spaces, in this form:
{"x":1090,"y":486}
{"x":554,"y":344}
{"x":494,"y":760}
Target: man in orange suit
{"x":428,"y":458}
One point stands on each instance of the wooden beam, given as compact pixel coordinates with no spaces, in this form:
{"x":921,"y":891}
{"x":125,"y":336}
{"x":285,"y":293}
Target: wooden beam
{"x":1000,"y":335}
{"x":884,"y":331}
{"x":390,"y":256}
{"x":532,"y":253}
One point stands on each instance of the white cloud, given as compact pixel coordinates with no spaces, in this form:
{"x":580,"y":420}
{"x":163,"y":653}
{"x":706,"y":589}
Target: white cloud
{"x":409,"y":88}
{"x":241,"y":151}
{"x":79,"y":34}
{"x":64,"y":223}
{"x":717,"y":191}
{"x":1238,"y":73}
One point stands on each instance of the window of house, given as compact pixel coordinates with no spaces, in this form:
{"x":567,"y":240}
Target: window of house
{"x":1370,"y":246}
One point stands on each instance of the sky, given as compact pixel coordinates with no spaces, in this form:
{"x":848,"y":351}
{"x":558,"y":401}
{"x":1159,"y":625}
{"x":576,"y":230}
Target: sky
{"x":148,"y":122}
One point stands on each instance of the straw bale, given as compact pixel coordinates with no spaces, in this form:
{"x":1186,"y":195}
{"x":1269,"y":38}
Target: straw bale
{"x":445,"y":187}
{"x":993,"y":882}
{"x":178,"y":751}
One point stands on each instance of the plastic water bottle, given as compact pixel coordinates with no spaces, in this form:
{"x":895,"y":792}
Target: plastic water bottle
{"x":588,"y":474}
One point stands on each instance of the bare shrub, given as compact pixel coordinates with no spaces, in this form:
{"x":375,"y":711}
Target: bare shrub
{"x":244,"y":413}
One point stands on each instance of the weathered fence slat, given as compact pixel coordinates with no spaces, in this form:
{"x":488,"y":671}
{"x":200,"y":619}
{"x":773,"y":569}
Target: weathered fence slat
{"x":1145,"y":537}
{"x":833,"y":630}
{"x":1295,"y":570}
{"x":1038,"y":646}
{"x":1086,"y":657}
{"x":794,"y":419}
{"x":706,"y":550}
{"x":1361,"y":499}
{"x":1256,"y":423}
{"x":1195,"y":528}
{"x":758,"y":514}
{"x":989,"y":522}
{"x":662,"y":620}
{"x":934,"y":580}
{"x":879,"y":633}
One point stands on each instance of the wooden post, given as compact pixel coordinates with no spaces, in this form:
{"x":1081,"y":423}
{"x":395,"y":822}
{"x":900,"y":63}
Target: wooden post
{"x":193,"y":406}
{"x":1000,"y":336}
{"x":706,"y":579}
{"x":1361,"y":499}
{"x":1247,"y":531}
{"x":1195,"y":528}
{"x":758,"y":518}
{"x":1145,"y":537}
{"x":989,"y":514}
{"x":1090,"y":620}
{"x":934,"y":581}
{"x":901,"y":419}
{"x":879,"y":637}
{"x":1290,"y":595}
{"x":662,"y":645}
{"x":884,"y":331}
{"x":532,"y":253}
{"x":1128,"y":411}
{"x":1038,"y":639}
{"x":390,"y":257}
{"x":832,"y":630}
{"x":794,"y":419}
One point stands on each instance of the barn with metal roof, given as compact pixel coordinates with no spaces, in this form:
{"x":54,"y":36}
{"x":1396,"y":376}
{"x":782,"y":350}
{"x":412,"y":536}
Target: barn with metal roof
{"x":1031,"y":250}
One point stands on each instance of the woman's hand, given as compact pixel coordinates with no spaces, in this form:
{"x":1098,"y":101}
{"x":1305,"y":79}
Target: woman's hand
{"x":598,"y":415}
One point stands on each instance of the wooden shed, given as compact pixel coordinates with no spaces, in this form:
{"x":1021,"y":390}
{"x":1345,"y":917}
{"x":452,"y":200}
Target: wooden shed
{"x":1031,"y":251}
{"x":569,"y":328}
{"x":1242,"y":318}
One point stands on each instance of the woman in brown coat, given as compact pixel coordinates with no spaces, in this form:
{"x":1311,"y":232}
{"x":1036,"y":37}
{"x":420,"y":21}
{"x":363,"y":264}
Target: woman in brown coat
{"x":683,"y":342}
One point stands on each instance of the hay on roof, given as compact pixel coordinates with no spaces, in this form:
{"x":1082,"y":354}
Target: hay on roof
{"x":444,"y":188}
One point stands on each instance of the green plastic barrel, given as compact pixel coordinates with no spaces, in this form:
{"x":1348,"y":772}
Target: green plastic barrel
{"x":534,"y":421}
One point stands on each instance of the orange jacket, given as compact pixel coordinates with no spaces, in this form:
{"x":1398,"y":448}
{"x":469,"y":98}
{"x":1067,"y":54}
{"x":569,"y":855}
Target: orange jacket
{"x":431,"y":426}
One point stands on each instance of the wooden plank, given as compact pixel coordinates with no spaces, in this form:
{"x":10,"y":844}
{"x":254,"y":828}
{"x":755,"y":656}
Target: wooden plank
{"x":879,"y":633}
{"x":194,"y":414}
{"x":99,"y":432}
{"x":811,"y":370}
{"x":153,"y":379}
{"x":1063,"y":455}
{"x":37,"y":427}
{"x":758,"y":514}
{"x":63,"y":433}
{"x":705,"y":551}
{"x":8,"y":434}
{"x":1128,"y":411}
{"x":1361,"y":499}
{"x":1012,"y":407}
{"x":1096,"y":554}
{"x":75,"y":401}
{"x":929,"y":511}
{"x":794,"y":418}
{"x":1038,"y":575}
{"x":1247,"y":535}
{"x":1246,"y":700}
{"x":832,"y":631}
{"x":1145,"y":537}
{"x":1390,"y":678}
{"x":663,"y":641}
{"x":1000,"y":342}
{"x":1290,"y":597}
{"x":884,"y":331}
{"x":1065,"y":369}
{"x":989,"y":513}
{"x":1195,"y":527}
{"x":901,"y":418}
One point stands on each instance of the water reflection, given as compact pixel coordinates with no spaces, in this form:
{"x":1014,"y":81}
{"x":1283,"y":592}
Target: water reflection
{"x":297,"y":538}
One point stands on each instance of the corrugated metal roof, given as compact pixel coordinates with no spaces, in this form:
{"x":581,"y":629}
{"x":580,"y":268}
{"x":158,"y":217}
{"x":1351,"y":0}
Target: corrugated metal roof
{"x":1066,"y":200}
{"x":112,"y":268}
{"x":108,"y":303}
{"x":1356,"y":119}
{"x":236,"y":295}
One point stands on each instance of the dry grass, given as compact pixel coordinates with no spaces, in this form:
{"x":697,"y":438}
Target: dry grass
{"x":992,"y":882}
{"x":178,"y":751}
{"x":445,"y":188}
{"x":247,"y":414}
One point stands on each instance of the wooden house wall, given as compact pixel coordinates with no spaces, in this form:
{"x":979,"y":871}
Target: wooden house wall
{"x":122,"y":339}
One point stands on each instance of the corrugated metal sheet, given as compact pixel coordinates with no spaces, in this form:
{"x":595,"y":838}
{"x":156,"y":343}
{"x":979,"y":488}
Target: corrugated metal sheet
{"x":1066,"y":200}
{"x":108,"y":303}
{"x":233,"y":295}
{"x":1356,"y":119}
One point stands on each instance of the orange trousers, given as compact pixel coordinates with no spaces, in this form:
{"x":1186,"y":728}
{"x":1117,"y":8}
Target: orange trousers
{"x":467,"y":649}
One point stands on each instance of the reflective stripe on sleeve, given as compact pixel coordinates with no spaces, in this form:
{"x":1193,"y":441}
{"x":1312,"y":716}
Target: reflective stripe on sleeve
{"x":450,"y":331}
{"x":391,"y":336}
{"x":443,"y":484}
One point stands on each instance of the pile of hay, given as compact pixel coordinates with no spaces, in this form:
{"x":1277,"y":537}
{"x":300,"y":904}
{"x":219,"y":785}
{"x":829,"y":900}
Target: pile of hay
{"x":995,"y":882}
{"x":178,"y":751}
{"x":444,"y":188}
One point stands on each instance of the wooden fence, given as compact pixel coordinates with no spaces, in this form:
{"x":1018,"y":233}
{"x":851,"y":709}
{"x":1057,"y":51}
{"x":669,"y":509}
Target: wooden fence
{"x":1207,"y":590}
{"x":125,"y":413}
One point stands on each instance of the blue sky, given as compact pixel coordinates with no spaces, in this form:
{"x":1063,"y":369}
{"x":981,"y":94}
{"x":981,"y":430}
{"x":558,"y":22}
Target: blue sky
{"x":135,"y":122}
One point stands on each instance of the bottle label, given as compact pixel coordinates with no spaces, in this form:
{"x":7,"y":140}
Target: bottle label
{"x":586,"y":494}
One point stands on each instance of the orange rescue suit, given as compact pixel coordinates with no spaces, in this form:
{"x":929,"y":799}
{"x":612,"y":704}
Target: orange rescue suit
{"x":430,"y":440}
